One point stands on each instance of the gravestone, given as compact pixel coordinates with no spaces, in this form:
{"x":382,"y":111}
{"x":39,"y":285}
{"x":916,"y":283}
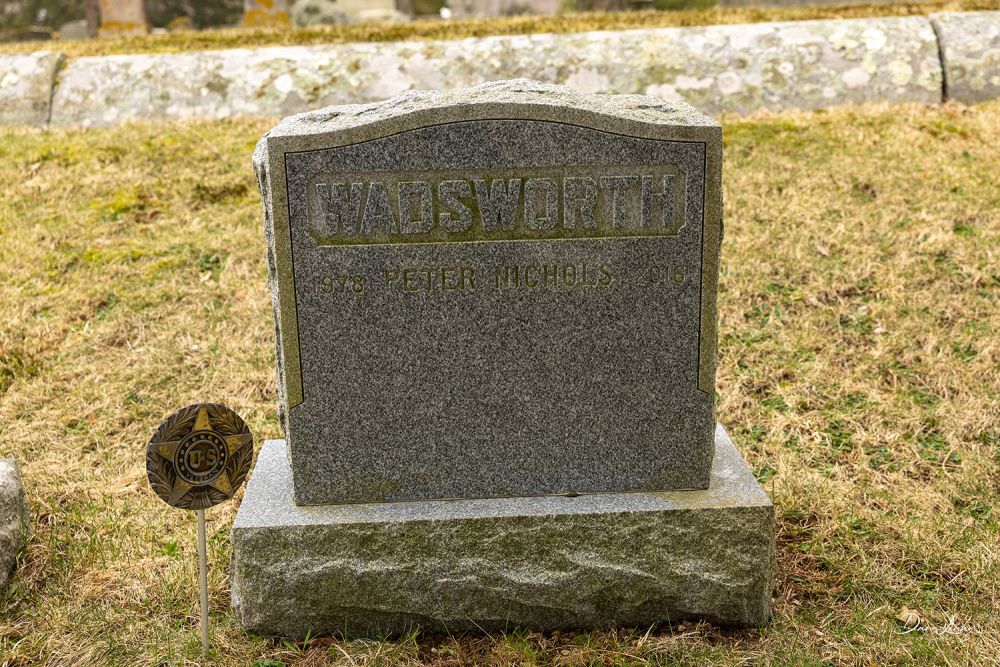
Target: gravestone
{"x":123,"y":17}
{"x":464,"y":8}
{"x":373,"y":10}
{"x":265,"y":13}
{"x":75,"y":30}
{"x":495,"y":319}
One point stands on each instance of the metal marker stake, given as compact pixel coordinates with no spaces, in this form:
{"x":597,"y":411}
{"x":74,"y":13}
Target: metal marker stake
{"x":203,"y":580}
{"x":198,"y":457}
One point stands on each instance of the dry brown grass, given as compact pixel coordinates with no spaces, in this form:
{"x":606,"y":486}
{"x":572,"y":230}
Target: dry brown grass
{"x":424,"y":29}
{"x":860,"y":375}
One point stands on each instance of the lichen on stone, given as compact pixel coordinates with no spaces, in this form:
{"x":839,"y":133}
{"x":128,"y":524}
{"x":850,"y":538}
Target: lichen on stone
{"x":728,"y":68}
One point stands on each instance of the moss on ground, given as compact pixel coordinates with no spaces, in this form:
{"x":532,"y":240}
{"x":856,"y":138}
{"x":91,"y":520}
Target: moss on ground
{"x":859,"y":374}
{"x":424,"y":29}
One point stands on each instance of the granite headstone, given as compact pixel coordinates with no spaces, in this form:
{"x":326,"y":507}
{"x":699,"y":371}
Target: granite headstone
{"x":495,"y":321}
{"x":486,"y":307}
{"x":265,"y":13}
{"x":123,"y":17}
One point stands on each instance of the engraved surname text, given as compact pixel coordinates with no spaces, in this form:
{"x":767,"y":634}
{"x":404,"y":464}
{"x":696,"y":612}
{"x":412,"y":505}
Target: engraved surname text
{"x":401,"y":208}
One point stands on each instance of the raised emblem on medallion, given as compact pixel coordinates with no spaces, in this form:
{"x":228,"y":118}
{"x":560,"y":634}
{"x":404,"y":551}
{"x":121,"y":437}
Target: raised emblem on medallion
{"x":199,"y":456}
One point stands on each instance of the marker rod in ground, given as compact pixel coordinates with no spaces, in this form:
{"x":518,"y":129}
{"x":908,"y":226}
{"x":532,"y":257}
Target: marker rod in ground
{"x":198,"y":457}
{"x":203,"y":580}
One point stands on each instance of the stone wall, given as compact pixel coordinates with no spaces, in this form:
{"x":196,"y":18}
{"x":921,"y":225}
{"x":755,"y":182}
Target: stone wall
{"x":26,"y":83}
{"x":265,"y":13}
{"x":970,"y":51}
{"x":719,"y":69}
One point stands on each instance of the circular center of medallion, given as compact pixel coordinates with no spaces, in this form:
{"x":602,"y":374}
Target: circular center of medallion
{"x":201,"y":458}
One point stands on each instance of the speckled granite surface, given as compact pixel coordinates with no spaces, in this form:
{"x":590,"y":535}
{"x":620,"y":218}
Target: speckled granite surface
{"x":14,"y":524}
{"x":970,"y":49}
{"x":506,"y":295}
{"x":434,"y":343}
{"x":730,"y":68}
{"x":26,"y":87}
{"x":602,"y":560}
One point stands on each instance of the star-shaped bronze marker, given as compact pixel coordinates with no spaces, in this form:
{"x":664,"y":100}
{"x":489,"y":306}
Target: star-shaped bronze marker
{"x":199,"y":456}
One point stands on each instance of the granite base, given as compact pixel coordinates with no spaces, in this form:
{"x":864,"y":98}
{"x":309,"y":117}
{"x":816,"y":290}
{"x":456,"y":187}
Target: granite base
{"x":588,"y":561}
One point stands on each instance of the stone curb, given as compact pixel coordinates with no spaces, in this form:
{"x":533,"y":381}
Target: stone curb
{"x":729,"y":68}
{"x":970,"y":52}
{"x":26,"y":85}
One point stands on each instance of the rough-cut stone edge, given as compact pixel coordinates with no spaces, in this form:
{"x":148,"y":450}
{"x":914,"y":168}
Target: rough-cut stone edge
{"x":335,"y":553}
{"x":939,"y":23}
{"x":14,"y":524}
{"x":969,"y":49}
{"x":728,"y":68}
{"x":521,"y":99}
{"x":33,"y":106}
{"x":465,"y":104}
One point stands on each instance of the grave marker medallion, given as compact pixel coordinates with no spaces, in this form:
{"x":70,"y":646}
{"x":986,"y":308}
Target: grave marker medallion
{"x":199,"y":456}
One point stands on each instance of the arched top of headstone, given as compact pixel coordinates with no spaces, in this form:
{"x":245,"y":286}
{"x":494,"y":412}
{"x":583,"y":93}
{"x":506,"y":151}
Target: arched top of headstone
{"x":519,"y":99}
{"x":513,"y":263}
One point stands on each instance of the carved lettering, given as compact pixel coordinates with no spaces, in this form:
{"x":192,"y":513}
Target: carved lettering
{"x":416,"y":207}
{"x":378,"y":211}
{"x":619,"y":188}
{"x":340,"y":211}
{"x":413,"y":279}
{"x":498,"y":203}
{"x":541,"y":203}
{"x":580,"y":197}
{"x":662,"y":210}
{"x":552,"y":204}
{"x":457,"y":217}
{"x":532,"y":276}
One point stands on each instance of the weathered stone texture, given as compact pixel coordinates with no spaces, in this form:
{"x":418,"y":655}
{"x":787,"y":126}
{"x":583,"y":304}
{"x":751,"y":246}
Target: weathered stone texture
{"x":556,"y":562}
{"x":26,"y":87}
{"x":109,"y":90}
{"x":123,"y":17}
{"x":265,"y":13}
{"x":13,"y":518}
{"x":318,"y":12}
{"x":734,"y":68}
{"x":594,"y":377}
{"x":372,"y":10}
{"x":970,"y":50}
{"x":530,"y":438}
{"x":802,"y":3}
{"x":805,"y":64}
{"x":75,"y":30}
{"x":461,"y":8}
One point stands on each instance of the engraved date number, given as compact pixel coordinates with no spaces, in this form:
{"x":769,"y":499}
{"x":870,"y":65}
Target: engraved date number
{"x":660,"y":274}
{"x":336,"y":284}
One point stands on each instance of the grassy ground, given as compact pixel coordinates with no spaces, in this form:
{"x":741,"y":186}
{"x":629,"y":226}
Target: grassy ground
{"x":860,"y":375}
{"x":516,"y":25}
